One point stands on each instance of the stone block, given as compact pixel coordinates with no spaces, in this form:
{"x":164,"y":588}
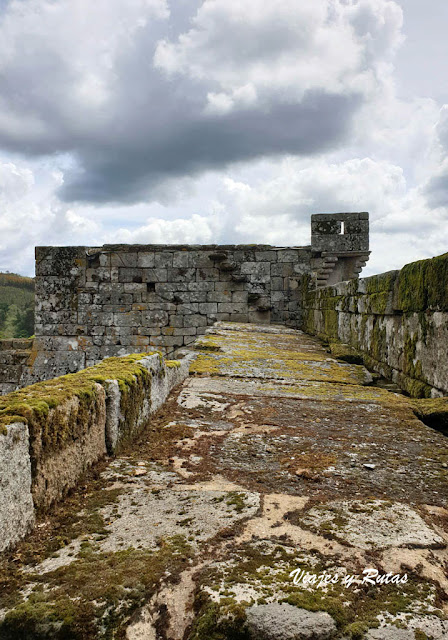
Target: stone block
{"x":232,"y":307}
{"x":260,"y":317}
{"x":146,"y":259}
{"x":129,"y":319}
{"x":155,"y":275}
{"x":156,"y":318}
{"x":181,"y":275}
{"x":200,"y":259}
{"x":185,"y":331}
{"x":176,"y":320}
{"x":277,"y":284}
{"x":135,"y":287}
{"x":239,"y":296}
{"x":100,"y":274}
{"x":149,"y":331}
{"x":282,"y":269}
{"x":357,"y":227}
{"x":208,"y":307}
{"x":301,"y":268}
{"x":204,"y":274}
{"x":161,"y":306}
{"x":163,"y":259}
{"x":239,"y":317}
{"x":60,"y":261}
{"x":124,"y":259}
{"x":287,"y":255}
{"x":325,"y":227}
{"x":16,"y":502}
{"x":266,"y":256}
{"x":195,"y":321}
{"x":188,"y":309}
{"x":130,"y":275}
{"x":139,"y":341}
{"x":180,"y":260}
{"x":201,"y":286}
{"x":219,"y":296}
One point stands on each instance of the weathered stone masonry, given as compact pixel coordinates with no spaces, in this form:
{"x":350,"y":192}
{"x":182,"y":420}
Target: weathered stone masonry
{"x":397,"y":322}
{"x":93,"y":303}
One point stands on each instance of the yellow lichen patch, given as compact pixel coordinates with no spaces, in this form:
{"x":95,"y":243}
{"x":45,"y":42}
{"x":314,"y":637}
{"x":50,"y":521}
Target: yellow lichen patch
{"x":315,"y":390}
{"x":272,"y":352}
{"x":204,"y":365}
{"x":41,"y":397}
{"x":172,"y":364}
{"x":62,"y":410}
{"x":279,"y":368}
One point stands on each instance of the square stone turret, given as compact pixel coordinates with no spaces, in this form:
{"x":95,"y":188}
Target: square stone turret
{"x":339,"y":246}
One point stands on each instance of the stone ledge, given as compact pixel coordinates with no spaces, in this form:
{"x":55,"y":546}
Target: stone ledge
{"x":52,"y":432}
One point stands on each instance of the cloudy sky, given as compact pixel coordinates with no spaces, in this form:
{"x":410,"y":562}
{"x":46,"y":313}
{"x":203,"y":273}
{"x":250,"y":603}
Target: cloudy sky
{"x":203,"y":121}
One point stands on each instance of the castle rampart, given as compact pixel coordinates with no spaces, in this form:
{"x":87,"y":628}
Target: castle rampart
{"x":397,"y":322}
{"x":96,"y":302}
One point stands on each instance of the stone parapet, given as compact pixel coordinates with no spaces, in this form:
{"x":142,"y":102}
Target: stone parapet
{"x":398,"y":321}
{"x":52,"y":432}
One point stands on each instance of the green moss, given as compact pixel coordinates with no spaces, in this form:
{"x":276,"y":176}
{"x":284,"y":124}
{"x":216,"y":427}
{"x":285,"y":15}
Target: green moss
{"x":331,"y":323}
{"x":54,"y":420}
{"x":383,"y":282}
{"x":420,"y":285}
{"x":207,"y":343}
{"x":420,"y":635}
{"x":250,"y":569}
{"x":236,"y":500}
{"x":346,"y":353}
{"x":378,"y":343}
{"x":93,"y":597}
{"x":357,"y":630}
{"x":379,"y":302}
{"x":172,"y":364}
{"x":433,"y":412}
{"x":224,"y":621}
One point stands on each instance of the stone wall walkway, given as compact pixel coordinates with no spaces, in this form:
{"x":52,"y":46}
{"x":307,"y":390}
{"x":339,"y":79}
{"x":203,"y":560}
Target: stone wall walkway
{"x":271,"y":458}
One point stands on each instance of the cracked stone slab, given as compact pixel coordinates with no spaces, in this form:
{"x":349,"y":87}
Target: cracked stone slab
{"x":373,"y":524}
{"x":256,"y":328}
{"x":286,"y":622}
{"x":144,"y":516}
{"x":198,"y":389}
{"x":275,"y":368}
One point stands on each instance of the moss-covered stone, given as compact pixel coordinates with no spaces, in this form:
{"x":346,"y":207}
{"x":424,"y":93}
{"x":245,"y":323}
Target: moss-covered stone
{"x":346,"y":353}
{"x":433,"y":412}
{"x":420,"y":285}
{"x":94,"y":596}
{"x":45,"y":406}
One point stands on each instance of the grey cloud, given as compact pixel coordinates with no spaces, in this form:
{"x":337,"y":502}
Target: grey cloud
{"x":153,"y":127}
{"x":436,"y":191}
{"x":126,"y":174}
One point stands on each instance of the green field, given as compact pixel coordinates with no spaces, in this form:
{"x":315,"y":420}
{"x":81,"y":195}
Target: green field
{"x":16,"y":306}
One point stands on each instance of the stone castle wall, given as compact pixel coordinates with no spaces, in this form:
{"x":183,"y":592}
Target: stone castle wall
{"x":396,"y":322}
{"x":95,"y":302}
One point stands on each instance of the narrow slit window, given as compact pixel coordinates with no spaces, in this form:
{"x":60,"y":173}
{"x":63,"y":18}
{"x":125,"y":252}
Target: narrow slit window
{"x":342,"y":228}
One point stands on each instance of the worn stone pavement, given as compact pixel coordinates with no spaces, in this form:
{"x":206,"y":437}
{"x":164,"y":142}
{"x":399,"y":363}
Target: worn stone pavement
{"x":271,"y":458}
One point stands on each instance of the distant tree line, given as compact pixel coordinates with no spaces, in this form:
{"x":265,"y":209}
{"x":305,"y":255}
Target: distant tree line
{"x":16,"y":306}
